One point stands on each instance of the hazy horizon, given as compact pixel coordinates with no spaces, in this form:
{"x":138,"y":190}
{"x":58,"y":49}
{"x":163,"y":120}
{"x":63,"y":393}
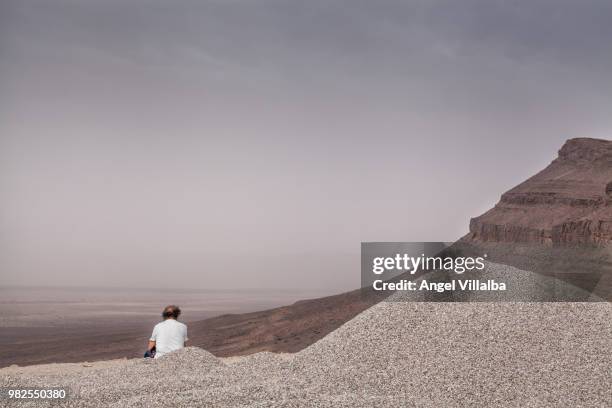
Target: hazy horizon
{"x":255,"y":144}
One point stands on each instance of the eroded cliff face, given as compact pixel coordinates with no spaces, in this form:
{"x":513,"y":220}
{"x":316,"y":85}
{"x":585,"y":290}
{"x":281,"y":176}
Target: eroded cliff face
{"x":569,"y":202}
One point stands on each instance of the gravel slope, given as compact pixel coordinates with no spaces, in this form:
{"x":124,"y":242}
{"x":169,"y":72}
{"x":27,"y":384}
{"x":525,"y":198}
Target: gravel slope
{"x":394,"y":354}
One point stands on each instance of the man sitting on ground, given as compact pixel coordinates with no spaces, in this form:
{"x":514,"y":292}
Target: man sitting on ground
{"x":169,"y":335}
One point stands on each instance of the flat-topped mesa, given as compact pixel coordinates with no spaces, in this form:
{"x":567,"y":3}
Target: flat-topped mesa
{"x":569,"y":202}
{"x":585,"y":151}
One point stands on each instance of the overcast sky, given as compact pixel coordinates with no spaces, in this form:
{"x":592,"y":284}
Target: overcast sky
{"x":256,"y":143}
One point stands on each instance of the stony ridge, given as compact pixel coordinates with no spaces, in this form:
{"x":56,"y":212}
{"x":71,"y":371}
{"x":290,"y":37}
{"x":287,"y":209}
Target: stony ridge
{"x":569,"y":202}
{"x":395,"y":354}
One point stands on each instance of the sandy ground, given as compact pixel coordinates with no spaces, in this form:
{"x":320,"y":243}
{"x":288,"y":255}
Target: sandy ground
{"x":394,"y":354}
{"x":400,"y":352}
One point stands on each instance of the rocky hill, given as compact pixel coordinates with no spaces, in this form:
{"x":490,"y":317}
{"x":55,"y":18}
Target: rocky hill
{"x":569,"y":202}
{"x":558,"y":222}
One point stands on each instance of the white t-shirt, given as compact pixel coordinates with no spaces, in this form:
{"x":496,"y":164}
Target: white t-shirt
{"x":168,"y":336}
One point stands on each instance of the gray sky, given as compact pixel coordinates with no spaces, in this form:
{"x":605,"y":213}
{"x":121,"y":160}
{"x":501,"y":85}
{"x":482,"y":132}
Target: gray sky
{"x":257,"y":143}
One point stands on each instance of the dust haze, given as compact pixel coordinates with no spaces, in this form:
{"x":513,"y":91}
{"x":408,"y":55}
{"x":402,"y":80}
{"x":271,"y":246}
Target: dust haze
{"x":242,"y":144}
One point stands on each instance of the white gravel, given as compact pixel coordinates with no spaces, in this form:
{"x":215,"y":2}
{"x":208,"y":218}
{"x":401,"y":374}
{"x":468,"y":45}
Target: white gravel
{"x":395,"y":354}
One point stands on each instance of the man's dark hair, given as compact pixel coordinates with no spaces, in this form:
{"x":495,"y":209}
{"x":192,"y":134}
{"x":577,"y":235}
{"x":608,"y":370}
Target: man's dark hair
{"x":171,"y":311}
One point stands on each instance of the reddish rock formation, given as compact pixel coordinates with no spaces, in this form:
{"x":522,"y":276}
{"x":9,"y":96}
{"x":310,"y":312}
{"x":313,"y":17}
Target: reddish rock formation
{"x":284,"y":329}
{"x":569,"y":202}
